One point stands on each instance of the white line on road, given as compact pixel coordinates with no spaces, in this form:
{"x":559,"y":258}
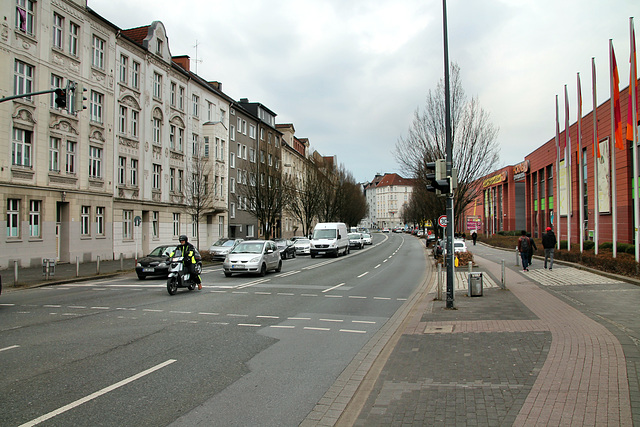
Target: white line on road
{"x":334,"y":287}
{"x":353,"y":331}
{"x":96,"y":394}
{"x":311,"y":328}
{"x":9,"y":348}
{"x":363,"y":274}
{"x":377,"y":266}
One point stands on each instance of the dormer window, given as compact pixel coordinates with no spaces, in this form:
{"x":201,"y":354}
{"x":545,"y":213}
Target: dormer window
{"x":159,"y":47}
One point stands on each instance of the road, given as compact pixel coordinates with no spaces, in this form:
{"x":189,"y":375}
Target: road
{"x":245,"y":350}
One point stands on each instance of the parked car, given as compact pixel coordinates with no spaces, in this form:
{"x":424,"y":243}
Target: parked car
{"x":303,"y":246}
{"x":356,"y":241}
{"x":222,"y":247}
{"x":459,"y":245}
{"x":253,"y":256}
{"x":155,"y":264}
{"x":366,"y":238}
{"x":385,"y":230}
{"x":286,"y":247}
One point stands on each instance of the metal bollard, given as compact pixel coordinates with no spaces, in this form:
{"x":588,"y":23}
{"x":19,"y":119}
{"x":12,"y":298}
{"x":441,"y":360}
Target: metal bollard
{"x":121,"y":262}
{"x":470,"y":267}
{"x":517,"y":257}
{"x":98,"y":265}
{"x":15,"y":273}
{"x":502,"y":282}
{"x":77,"y":267}
{"x":439,"y":294}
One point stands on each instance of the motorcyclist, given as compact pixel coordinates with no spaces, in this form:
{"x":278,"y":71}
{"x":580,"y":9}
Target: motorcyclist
{"x":188,"y":253}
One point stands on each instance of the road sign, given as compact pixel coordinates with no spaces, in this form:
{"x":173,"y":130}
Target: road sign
{"x":442,"y":220}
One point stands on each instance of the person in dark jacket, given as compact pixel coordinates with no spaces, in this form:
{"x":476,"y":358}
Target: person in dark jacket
{"x":474,"y":237}
{"x":532,"y":247}
{"x":523,"y":248}
{"x":549,"y":242}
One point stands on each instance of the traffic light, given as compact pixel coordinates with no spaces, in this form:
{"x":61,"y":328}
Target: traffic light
{"x":61,"y":98}
{"x":439,"y":181}
{"x":79,"y":98}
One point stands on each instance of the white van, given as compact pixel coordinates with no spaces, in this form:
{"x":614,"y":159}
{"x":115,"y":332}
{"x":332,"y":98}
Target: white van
{"x":330,"y":238}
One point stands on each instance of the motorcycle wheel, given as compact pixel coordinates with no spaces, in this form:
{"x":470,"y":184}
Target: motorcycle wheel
{"x":172,"y":285}
{"x":191,"y":286}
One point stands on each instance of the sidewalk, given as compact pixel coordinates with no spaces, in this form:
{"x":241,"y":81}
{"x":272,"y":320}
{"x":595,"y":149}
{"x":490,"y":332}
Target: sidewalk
{"x":63,"y":273}
{"x":520,"y":356}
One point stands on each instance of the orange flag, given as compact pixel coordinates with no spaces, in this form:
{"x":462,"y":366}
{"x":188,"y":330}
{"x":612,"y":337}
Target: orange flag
{"x":616,"y":102}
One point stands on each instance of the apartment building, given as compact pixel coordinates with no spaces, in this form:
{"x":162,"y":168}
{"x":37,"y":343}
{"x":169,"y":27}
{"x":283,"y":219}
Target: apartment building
{"x":392,"y":193}
{"x":295,"y":158}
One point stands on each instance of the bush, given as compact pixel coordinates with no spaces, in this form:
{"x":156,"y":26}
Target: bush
{"x":606,"y":246}
{"x":588,"y":245}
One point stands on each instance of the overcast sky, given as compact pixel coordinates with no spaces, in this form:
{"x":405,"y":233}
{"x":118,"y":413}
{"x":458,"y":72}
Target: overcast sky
{"x":349,"y":74}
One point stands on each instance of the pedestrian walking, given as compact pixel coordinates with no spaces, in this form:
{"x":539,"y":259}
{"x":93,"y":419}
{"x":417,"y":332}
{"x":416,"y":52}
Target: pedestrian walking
{"x":532,"y":247}
{"x":523,"y":248}
{"x":474,"y":237}
{"x":549,"y":242}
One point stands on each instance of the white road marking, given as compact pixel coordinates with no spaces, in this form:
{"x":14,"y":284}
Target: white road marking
{"x":357,"y":297}
{"x":334,"y":287}
{"x":11,"y":347}
{"x":268,"y":317}
{"x":363,"y":274}
{"x":353,"y":331}
{"x":249,"y":324}
{"x":377,"y":266}
{"x":96,"y":394}
{"x":283,"y":326}
{"x":311,"y":328}
{"x":331,"y":320}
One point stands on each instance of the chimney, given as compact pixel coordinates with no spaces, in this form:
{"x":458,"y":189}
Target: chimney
{"x":182,"y":61}
{"x":216,"y":85}
{"x":244,"y":100}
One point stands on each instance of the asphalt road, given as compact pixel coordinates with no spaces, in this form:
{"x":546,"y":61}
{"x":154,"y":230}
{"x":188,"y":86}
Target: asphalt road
{"x":243,"y":351}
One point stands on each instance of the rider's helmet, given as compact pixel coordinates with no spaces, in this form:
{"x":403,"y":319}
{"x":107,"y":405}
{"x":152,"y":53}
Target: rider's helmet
{"x":183,"y":238}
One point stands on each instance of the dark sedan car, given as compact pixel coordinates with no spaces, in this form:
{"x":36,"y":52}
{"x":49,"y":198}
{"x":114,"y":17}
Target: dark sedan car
{"x":287,"y":248}
{"x":155,"y":263}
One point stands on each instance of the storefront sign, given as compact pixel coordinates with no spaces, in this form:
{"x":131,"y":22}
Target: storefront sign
{"x":495,"y":179}
{"x":520,"y":171}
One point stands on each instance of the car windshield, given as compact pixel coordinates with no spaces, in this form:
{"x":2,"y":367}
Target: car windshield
{"x":324,"y":234}
{"x":354,"y":236}
{"x":161,"y":250}
{"x":282,"y":243}
{"x":302,"y":242}
{"x":458,"y":245}
{"x":224,"y":242}
{"x":248,"y":248}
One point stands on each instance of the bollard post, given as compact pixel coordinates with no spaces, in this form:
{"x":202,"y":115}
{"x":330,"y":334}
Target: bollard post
{"x":470,"y":267}
{"x":121,"y":262}
{"x":77,"y":267}
{"x":48,"y":268}
{"x":517,"y":257}
{"x":15,"y":273}
{"x":439,"y":294}
{"x":502,"y":283}
{"x":98,"y":265}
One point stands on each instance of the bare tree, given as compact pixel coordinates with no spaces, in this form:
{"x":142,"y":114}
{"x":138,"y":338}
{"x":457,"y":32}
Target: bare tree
{"x":198,"y":196}
{"x":475,"y":148}
{"x":305,"y":196}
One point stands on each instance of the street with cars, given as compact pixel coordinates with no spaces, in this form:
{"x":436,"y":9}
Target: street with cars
{"x":245,"y":350}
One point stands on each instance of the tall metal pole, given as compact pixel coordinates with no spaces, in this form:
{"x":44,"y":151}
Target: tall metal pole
{"x":449,"y":162}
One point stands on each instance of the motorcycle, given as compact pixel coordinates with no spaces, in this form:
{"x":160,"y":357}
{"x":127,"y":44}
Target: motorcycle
{"x":178,"y":277}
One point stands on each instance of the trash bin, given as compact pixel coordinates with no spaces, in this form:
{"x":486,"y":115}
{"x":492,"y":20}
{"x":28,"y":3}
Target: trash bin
{"x":475,"y":284}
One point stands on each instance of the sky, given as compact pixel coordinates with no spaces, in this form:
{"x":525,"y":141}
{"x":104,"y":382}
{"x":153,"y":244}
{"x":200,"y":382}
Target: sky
{"x":350,"y":74}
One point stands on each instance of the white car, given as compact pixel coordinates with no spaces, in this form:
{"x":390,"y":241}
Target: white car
{"x":253,"y":256}
{"x":303,"y":246}
{"x":356,"y":241}
{"x":366,"y":238}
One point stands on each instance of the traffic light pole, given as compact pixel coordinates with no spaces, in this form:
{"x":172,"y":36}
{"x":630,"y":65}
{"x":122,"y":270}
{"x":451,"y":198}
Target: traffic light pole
{"x":449,"y":162}
{"x":24,"y":95}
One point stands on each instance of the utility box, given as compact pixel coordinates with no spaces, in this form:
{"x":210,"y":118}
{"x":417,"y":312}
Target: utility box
{"x":475,"y":284}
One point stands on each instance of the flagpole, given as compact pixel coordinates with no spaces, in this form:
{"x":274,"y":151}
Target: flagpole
{"x":634,"y":128}
{"x":596,"y":156}
{"x":614,"y":202}
{"x":556,"y":202}
{"x":567,"y":165}
{"x":580,"y":171}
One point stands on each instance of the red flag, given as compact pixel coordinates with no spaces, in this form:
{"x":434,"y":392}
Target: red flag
{"x":616,"y":102}
{"x":633,"y":87}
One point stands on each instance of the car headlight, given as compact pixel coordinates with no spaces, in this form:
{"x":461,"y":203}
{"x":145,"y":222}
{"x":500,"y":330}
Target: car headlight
{"x":256,"y":259}
{"x":138,"y":265}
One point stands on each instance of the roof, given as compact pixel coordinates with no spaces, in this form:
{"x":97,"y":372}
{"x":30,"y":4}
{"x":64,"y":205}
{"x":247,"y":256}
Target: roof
{"x":137,"y":34}
{"x":395,"y":179}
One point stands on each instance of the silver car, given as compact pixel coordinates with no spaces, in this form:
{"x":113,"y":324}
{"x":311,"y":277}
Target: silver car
{"x":253,"y":256}
{"x":303,"y":246}
{"x":222,"y":247}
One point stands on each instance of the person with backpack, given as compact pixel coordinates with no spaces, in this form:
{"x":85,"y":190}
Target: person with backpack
{"x":549,"y":242}
{"x":532,"y":247}
{"x":523,"y":248}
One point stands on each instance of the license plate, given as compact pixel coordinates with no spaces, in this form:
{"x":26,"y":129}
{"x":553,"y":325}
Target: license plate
{"x":237,"y":267}
{"x":148,"y":270}
{"x":321,"y":253}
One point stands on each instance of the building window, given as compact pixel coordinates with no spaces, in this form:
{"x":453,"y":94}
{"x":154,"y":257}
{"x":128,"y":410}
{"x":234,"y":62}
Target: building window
{"x":194,"y":225}
{"x":13,"y":217}
{"x":58,"y":31}
{"x":180,"y":180}
{"x":157,"y":124}
{"x":232,"y":185}
{"x":135,"y":74}
{"x":232,"y":132}
{"x":181,"y":98}
{"x":124,"y":69}
{"x":172,"y":97}
{"x":172,"y":137}
{"x":155,"y":224}
{"x":74,"y":30}
{"x":100,"y":220}
{"x":134,"y":123}
{"x":85,"y":220}
{"x":157,"y":86}
{"x":122,"y":170}
{"x":25,"y":18}
{"x":180,"y":138}
{"x":159,"y":47}
{"x":157,"y":171}
{"x":195,"y":145}
{"x":210,"y":108}
{"x":250,"y":230}
{"x":196,"y":104}
{"x":34,"y":218}
{"x":232,"y":210}
{"x":70,"y":165}
{"x":172,"y":179}
{"x":96,"y":106}
{"x":176,"y":224}
{"x":95,"y":162}
{"x":232,"y":159}
{"x":134,"y":172}
{"x":127,"y":224}
{"x":54,"y":154}
{"x":122,"y":120}
{"x":98,"y":53}
{"x":21,"y":152}
{"x":23,"y":79}
{"x":206,"y":147}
